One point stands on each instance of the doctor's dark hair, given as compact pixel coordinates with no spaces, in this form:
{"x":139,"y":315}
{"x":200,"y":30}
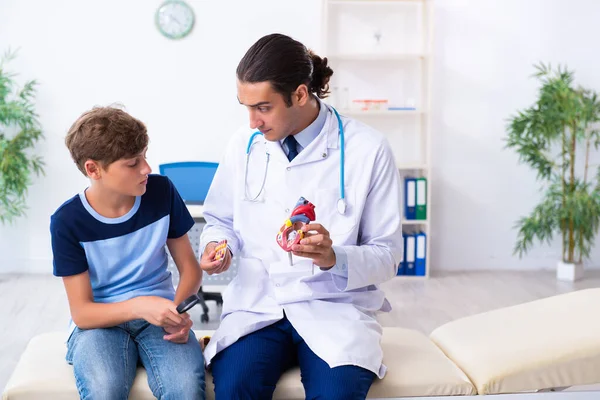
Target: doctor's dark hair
{"x":286,"y":64}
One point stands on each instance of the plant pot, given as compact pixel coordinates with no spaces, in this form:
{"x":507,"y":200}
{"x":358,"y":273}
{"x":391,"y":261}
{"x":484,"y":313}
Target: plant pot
{"x":569,"y":271}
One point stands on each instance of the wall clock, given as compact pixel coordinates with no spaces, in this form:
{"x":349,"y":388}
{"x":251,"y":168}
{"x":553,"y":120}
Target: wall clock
{"x":175,"y":19}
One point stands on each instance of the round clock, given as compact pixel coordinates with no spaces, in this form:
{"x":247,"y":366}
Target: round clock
{"x":175,"y":19}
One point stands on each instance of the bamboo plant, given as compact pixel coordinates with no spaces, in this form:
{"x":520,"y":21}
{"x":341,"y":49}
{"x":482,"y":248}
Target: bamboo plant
{"x":549,"y":136}
{"x":20,"y":130}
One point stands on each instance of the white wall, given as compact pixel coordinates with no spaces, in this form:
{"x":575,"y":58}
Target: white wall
{"x":485,"y":51}
{"x":98,"y":52}
{"x":88,"y":53}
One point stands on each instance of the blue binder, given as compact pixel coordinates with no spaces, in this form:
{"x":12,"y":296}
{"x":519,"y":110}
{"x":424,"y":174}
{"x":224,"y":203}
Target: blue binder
{"x":420,"y":253}
{"x":410,"y":198}
{"x":410,"y":255}
{"x":402,"y":264}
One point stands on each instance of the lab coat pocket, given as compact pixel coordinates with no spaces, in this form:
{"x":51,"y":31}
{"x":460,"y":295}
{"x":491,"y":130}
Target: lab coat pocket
{"x":338,"y":225}
{"x":252,"y":215}
{"x":287,"y":280}
{"x":248,"y":213}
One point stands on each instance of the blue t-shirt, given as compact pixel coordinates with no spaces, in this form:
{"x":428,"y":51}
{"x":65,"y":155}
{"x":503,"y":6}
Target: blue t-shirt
{"x":125,"y":256}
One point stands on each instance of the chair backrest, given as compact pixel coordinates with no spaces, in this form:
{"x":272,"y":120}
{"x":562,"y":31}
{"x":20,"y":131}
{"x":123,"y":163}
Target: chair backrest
{"x":192,"y":179}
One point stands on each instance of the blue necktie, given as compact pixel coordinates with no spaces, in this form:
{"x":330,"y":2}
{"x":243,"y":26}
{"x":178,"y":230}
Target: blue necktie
{"x":291,"y":144}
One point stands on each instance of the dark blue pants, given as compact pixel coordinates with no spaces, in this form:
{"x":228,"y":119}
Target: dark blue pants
{"x":251,"y":367}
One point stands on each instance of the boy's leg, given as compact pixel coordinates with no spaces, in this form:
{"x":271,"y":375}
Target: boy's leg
{"x":175,"y":371}
{"x":250,"y":368}
{"x":104,"y":362}
{"x":346,"y":382}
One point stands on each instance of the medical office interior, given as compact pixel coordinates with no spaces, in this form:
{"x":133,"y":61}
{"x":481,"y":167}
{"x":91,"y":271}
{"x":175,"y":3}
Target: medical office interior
{"x":467,"y":92}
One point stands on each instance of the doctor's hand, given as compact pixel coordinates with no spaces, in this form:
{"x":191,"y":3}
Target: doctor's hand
{"x":208,"y":263}
{"x":316,"y":245}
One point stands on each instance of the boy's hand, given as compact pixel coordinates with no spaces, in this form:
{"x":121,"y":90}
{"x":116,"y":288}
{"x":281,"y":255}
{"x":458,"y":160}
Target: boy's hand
{"x":208,"y":263}
{"x":157,"y":311}
{"x":179,"y":334}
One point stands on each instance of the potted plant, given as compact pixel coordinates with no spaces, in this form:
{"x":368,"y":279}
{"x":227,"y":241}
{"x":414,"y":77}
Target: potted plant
{"x":19,"y":132}
{"x":550,"y":135}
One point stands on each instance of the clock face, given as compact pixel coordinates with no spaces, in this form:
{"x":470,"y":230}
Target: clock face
{"x":175,"y":19}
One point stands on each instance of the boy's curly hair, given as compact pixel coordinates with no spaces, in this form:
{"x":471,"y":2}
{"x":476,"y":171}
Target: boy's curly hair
{"x":105,"y":135}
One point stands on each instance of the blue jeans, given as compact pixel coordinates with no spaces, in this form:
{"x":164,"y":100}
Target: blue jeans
{"x":105,"y":362}
{"x":251,"y":367}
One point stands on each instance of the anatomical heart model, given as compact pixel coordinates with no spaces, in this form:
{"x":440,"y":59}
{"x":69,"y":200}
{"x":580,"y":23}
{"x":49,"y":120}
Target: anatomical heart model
{"x":291,"y":232}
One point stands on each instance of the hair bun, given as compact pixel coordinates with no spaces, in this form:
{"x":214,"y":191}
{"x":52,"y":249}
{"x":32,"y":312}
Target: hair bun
{"x":321,"y":74}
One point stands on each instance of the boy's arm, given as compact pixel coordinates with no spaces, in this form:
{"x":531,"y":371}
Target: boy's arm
{"x":178,"y":242}
{"x":190,"y":275}
{"x":88,"y":314}
{"x":70,"y":263}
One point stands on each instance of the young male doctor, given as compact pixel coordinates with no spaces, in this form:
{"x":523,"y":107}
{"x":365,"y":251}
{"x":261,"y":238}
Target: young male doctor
{"x":318,"y":313}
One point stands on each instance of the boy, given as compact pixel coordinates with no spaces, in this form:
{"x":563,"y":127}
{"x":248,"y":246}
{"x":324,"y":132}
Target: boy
{"x":108,"y":244}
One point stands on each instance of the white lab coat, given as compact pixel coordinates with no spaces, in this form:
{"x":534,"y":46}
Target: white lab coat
{"x":334,"y":314}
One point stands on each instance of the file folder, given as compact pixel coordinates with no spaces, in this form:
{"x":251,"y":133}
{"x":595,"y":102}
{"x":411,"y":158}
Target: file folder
{"x":410,"y":254}
{"x":420,"y":256}
{"x":402,"y":264}
{"x":421,"y":201}
{"x":410,"y":198}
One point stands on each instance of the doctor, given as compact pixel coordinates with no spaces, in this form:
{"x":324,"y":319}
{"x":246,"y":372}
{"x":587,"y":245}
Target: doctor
{"x":318,"y":313}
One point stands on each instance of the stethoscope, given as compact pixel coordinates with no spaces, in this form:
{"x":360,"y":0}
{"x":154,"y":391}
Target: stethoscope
{"x":341,"y":203}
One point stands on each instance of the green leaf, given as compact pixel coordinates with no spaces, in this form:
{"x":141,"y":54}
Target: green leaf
{"x":546,"y":136}
{"x":17,"y":159}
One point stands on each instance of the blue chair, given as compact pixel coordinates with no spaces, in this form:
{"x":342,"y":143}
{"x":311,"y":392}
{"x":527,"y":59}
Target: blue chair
{"x":192,"y":180}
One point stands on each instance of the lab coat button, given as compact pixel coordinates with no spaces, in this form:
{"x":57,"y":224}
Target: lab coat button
{"x":324,"y":155}
{"x":287,"y":210}
{"x":343,"y":267}
{"x":277,"y":285}
{"x":289,"y":168}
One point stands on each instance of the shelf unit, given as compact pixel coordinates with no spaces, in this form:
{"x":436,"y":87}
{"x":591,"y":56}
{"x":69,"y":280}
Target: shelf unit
{"x":376,"y":57}
{"x":379,"y":113}
{"x":381,"y":49}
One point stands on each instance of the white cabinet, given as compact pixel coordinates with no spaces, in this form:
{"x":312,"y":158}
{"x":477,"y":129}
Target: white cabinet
{"x":380,"y":52}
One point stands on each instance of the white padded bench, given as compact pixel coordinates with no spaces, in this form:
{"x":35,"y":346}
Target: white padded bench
{"x":548,"y":343}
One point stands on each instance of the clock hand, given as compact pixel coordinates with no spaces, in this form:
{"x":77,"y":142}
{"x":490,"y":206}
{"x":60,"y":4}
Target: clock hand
{"x":176,"y":21}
